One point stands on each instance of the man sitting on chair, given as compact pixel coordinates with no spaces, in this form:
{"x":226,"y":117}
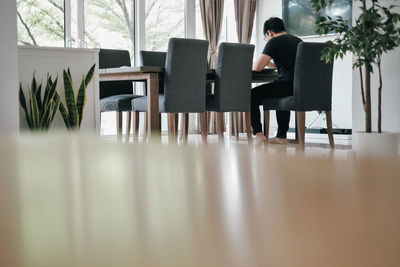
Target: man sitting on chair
{"x":279,"y":52}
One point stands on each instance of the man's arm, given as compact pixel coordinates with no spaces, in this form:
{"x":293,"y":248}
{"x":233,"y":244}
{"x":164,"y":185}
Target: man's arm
{"x":262,"y":62}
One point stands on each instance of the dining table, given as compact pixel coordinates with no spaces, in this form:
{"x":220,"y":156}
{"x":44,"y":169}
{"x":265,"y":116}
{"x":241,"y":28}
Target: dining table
{"x":152,"y":75}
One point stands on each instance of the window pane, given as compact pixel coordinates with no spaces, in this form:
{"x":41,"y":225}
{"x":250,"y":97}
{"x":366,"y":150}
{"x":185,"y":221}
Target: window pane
{"x":40,"y":22}
{"x":164,"y":19}
{"x":199,"y":23}
{"x":109,"y":24}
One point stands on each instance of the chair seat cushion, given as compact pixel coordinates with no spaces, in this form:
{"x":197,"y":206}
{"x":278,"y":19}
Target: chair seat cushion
{"x":284,"y":103}
{"x":140,"y":104}
{"x":117,"y":103}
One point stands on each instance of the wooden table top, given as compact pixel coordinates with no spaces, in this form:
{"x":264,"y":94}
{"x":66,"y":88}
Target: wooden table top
{"x":267,"y":75}
{"x":70,"y":201}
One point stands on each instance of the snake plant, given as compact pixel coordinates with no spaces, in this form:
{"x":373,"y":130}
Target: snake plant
{"x":72,"y":112}
{"x":41,"y":112}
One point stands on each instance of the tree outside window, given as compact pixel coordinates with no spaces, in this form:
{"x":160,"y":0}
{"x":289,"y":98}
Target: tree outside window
{"x":40,"y":22}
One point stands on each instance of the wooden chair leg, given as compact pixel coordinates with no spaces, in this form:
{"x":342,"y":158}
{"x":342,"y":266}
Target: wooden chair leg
{"x":171,"y":128}
{"x":240,"y":122}
{"x":301,"y":124}
{"x":329,"y":126}
{"x":128,"y":127}
{"x":236,"y":125}
{"x":220,"y":128}
{"x":185,"y":127}
{"x":248,"y":128}
{"x":135,"y":126}
{"x":230,"y":119}
{"x":145,"y":122}
{"x":176,"y":123}
{"x":119,"y":126}
{"x":204,"y":128}
{"x":224,"y":122}
{"x":266,"y":124}
{"x":211,"y":122}
{"x":244,"y":121}
{"x":180,"y":122}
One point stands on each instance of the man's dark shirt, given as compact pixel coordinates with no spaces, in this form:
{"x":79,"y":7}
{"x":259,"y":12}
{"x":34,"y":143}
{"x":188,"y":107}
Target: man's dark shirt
{"x":282,"y":49}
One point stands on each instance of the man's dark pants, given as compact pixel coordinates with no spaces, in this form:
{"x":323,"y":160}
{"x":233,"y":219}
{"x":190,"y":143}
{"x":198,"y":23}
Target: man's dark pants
{"x":275,"y":89}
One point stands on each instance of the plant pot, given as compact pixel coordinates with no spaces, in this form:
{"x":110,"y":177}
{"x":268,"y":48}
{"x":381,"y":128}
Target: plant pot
{"x":376,"y":144}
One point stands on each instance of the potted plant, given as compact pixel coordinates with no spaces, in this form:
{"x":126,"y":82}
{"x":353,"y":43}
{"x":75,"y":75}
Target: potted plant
{"x":40,"y":112}
{"x":75,"y":103}
{"x":374,"y":32}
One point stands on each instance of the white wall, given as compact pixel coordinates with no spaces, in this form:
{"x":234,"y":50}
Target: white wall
{"x":390,"y":90}
{"x":9,"y":118}
{"x":342,"y":74}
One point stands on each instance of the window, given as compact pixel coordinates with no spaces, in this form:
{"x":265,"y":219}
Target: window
{"x":228,"y":28}
{"x":40,"y":22}
{"x":164,"y":20}
{"x":110,"y":24}
{"x":300,"y":17}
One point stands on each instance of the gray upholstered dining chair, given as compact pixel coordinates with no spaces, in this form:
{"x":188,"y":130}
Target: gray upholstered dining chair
{"x":184,"y":84}
{"x":232,"y":91}
{"x":154,"y":59}
{"x":312,"y":90}
{"x":116,"y":95}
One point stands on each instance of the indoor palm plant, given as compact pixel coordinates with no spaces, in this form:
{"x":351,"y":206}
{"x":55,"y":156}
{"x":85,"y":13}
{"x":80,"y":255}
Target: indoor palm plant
{"x":374,"y":32}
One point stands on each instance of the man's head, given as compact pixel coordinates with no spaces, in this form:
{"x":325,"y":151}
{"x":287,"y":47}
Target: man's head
{"x":273,"y":26}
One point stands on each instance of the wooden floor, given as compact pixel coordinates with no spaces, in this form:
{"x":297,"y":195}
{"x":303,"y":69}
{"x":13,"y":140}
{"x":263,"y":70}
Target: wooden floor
{"x":316,"y":144}
{"x":89,"y":201}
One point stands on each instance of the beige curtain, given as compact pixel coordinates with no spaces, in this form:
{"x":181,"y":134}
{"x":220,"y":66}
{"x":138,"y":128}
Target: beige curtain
{"x":244,"y":15}
{"x":212,"y":12}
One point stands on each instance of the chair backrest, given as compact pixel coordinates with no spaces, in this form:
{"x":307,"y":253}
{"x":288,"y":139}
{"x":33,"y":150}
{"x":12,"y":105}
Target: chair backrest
{"x":233,"y":77}
{"x":312,"y":86}
{"x":154,"y":59}
{"x":110,"y":58}
{"x":185,"y":75}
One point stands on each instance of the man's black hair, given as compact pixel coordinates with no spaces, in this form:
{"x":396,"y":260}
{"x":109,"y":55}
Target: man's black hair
{"x":274,"y":24}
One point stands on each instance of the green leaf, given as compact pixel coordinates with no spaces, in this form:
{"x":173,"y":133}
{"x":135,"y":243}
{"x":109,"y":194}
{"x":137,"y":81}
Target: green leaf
{"x":34,"y":111}
{"x":33,"y":84}
{"x":39,"y":97}
{"x":23,"y":105}
{"x":70,"y":100}
{"x":64,"y":114}
{"x":89,"y":75}
{"x":45,"y":116}
{"x":81,"y":100}
{"x":56,"y":105}
{"x":47,"y":89}
{"x":52,"y":90}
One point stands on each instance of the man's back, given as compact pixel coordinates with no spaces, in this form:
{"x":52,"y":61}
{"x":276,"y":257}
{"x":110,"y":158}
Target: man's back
{"x":282,"y":49}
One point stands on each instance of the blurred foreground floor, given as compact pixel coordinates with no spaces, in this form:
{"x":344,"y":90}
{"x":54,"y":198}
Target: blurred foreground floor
{"x":85,"y":201}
